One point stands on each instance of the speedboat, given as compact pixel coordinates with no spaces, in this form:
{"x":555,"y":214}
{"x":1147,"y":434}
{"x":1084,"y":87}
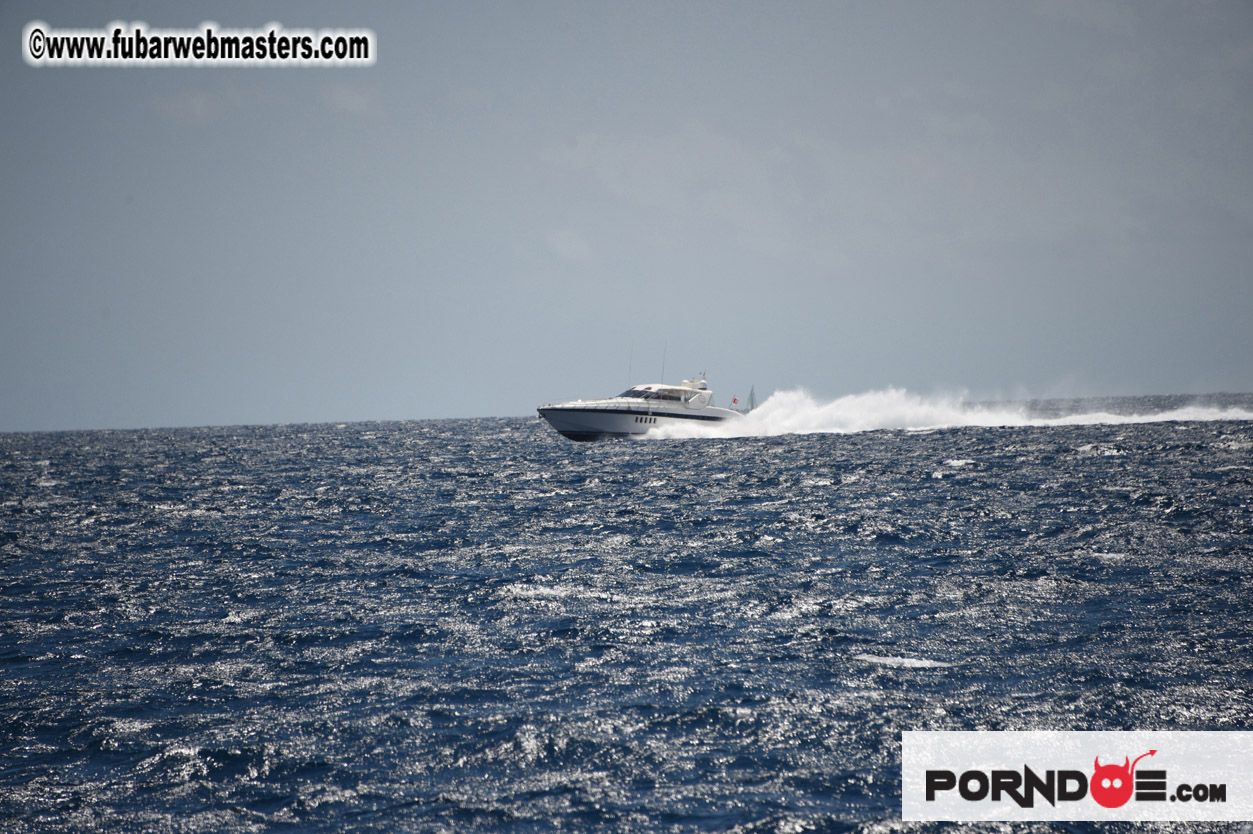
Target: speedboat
{"x":637,"y":410}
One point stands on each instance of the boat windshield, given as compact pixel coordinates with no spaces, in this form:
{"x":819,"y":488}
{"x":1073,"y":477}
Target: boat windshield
{"x":645,"y":394}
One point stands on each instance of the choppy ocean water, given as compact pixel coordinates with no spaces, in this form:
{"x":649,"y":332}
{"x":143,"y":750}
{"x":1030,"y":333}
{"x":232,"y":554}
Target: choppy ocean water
{"x":476,"y":625}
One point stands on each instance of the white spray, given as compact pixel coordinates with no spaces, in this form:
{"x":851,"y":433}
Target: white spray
{"x":797,"y":412}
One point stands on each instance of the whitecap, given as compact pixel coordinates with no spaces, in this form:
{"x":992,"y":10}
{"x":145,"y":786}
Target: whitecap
{"x":905,"y":662}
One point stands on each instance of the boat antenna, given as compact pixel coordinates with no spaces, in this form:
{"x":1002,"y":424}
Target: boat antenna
{"x":664,"y":345}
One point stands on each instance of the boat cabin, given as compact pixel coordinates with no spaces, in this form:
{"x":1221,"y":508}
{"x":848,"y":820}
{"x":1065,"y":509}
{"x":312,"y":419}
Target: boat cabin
{"x":691,"y":392}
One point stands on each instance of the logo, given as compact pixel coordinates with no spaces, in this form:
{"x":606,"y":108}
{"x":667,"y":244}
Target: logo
{"x":962,"y":776}
{"x":1111,"y":784}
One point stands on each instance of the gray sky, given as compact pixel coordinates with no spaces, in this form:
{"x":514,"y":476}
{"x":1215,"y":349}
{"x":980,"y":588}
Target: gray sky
{"x":533,"y":201}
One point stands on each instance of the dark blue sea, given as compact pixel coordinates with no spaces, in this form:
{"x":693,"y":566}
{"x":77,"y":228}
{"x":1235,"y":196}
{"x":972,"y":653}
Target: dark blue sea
{"x":479,"y":626}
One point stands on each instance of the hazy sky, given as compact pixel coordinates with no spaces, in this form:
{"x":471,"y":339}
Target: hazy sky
{"x":533,"y":201}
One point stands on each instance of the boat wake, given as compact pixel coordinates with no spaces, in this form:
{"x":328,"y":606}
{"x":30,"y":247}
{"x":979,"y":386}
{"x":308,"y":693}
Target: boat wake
{"x":797,"y":412}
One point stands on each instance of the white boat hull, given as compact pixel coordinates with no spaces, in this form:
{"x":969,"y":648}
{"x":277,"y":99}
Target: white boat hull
{"x":599,"y":420}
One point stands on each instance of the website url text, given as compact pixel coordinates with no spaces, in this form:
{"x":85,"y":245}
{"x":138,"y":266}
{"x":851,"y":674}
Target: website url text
{"x":135,"y":44}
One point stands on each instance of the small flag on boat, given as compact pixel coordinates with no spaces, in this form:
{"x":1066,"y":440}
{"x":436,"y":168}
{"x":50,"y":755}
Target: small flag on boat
{"x":735,"y":401}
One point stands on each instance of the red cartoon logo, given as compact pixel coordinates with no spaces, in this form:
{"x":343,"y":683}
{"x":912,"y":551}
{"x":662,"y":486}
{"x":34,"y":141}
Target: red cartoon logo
{"x":1111,"y":785}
